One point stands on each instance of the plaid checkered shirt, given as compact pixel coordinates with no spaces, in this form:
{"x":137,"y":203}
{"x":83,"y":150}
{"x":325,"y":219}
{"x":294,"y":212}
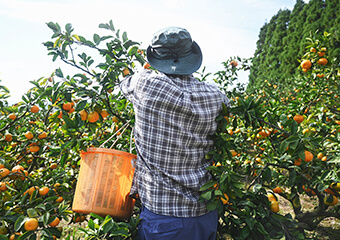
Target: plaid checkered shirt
{"x":174,"y":118}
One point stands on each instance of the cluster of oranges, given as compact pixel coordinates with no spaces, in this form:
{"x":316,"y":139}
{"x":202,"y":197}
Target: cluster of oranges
{"x":321,"y":60}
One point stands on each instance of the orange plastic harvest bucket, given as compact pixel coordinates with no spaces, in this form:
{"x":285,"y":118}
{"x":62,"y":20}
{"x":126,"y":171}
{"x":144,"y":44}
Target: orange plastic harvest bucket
{"x":104,"y":183}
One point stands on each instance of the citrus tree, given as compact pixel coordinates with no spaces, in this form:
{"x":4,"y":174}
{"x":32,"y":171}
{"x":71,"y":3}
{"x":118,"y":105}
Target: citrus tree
{"x":279,"y":141}
{"x":43,"y":135}
{"x":274,"y":141}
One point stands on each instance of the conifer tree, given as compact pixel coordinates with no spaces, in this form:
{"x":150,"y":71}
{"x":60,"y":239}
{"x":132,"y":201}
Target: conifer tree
{"x":282,"y":41}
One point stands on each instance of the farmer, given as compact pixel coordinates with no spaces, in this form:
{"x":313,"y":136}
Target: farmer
{"x":175,"y":114}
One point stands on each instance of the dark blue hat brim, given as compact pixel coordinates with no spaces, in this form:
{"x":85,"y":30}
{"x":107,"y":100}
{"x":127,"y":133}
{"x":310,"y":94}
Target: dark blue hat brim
{"x":180,"y":66}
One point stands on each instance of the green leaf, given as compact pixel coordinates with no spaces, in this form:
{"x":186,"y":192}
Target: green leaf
{"x":208,"y":185}
{"x":212,"y":206}
{"x":69,"y":121}
{"x":292,"y":178}
{"x":133,"y":50}
{"x":68,"y":27}
{"x":257,"y":188}
{"x":26,"y":235}
{"x":124,"y":37}
{"x":107,"y":225}
{"x":267,"y":174}
{"x":206,"y":195}
{"x":244,"y":232}
{"x":97,"y":216}
{"x":45,"y":218}
{"x":52,"y":26}
{"x":32,"y":212}
{"x":96,"y":39}
{"x":81,"y":105}
{"x":283,"y":146}
{"x":250,"y":222}
{"x":59,"y":73}
{"x":19,"y":222}
{"x":225,"y":110}
{"x":91,"y":224}
{"x":302,"y":155}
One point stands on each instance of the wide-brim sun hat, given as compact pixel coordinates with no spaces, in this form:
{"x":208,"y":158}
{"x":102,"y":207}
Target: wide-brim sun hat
{"x":172,"y":51}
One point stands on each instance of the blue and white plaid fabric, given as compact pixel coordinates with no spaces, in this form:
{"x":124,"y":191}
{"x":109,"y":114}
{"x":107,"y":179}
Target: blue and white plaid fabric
{"x":174,"y":118}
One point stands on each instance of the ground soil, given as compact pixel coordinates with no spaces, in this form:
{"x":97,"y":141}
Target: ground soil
{"x":328,"y":229}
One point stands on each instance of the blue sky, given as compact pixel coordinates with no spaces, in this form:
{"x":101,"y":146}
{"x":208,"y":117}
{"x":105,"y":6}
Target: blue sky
{"x":222,"y":28}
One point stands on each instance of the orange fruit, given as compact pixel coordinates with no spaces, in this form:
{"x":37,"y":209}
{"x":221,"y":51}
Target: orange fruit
{"x":31,"y":224}
{"x":54,"y":166}
{"x":14,"y":236}
{"x":83,"y":115}
{"x":29,"y":135}
{"x":4,"y":172}
{"x":31,"y":190}
{"x":218,"y":164}
{"x":321,"y":54}
{"x":8,"y":137}
{"x":147,"y":65}
{"x":43,"y":191}
{"x":126,"y":72}
{"x":115,"y":119}
{"x":324,"y":159}
{"x":104,"y":113}
{"x":305,"y":69}
{"x":3,"y":230}
{"x":77,"y":219}
{"x":225,"y":198}
{"x":274,"y":206}
{"x":322,"y":61}
{"x":18,"y":168}
{"x":42,"y":135}
{"x":3,"y":186}
{"x":34,"y":149}
{"x":312,"y":49}
{"x":306,"y":189}
{"x":308,"y":156}
{"x":12,"y":116}
{"x":297,"y":162}
{"x":233,"y":63}
{"x":330,"y":191}
{"x":59,"y":200}
{"x":60,"y":114}
{"x":320,"y":155}
{"x":331,"y":201}
{"x":277,"y":190}
{"x":306,"y":64}
{"x":34,"y":109}
{"x":71,"y":110}
{"x":233,"y":152}
{"x":55,"y":222}
{"x":271,"y":197}
{"x":335,"y":186}
{"x":298,"y":118}
{"x":320,"y":75}
{"x":93,"y":117}
{"x":2,"y":165}
{"x":67,"y":106}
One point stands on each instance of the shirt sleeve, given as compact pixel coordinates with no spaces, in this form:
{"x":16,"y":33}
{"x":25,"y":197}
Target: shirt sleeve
{"x":127,"y":86}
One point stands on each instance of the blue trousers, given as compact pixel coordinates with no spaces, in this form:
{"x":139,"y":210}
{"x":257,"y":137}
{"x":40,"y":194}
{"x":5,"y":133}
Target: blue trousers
{"x":158,"y":227}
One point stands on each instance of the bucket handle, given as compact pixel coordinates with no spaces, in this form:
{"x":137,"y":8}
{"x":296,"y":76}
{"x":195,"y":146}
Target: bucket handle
{"x":125,"y":126}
